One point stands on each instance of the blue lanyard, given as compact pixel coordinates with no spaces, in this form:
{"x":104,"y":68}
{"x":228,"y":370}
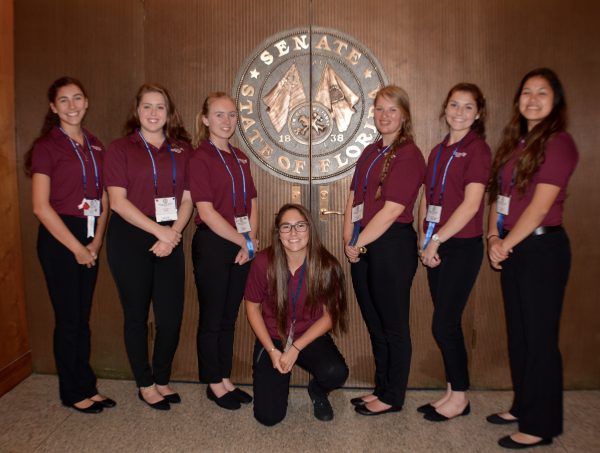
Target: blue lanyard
{"x":296,"y":295}
{"x":231,"y":175}
{"x":89,"y":146}
{"x":356,"y":228}
{"x":500,"y":219}
{"x":246,"y":235}
{"x":154,"y":172}
{"x":431,"y":225}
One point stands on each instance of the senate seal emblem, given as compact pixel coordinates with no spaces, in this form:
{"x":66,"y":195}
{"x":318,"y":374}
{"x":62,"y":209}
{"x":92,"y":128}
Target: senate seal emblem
{"x":305,"y":103}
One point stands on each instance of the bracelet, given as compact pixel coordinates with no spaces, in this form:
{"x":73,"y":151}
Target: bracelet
{"x":362,"y":250}
{"x":272,"y":349}
{"x":295,"y":347}
{"x":492,"y":236}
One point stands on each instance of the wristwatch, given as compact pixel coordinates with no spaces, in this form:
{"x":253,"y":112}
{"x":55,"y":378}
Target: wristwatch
{"x":436,"y":238}
{"x":362,"y":250}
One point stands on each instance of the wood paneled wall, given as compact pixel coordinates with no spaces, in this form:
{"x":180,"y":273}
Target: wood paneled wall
{"x":15,"y":354}
{"x":425,"y":46}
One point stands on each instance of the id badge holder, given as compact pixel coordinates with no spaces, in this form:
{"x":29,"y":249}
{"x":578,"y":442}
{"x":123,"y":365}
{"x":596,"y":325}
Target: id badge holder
{"x":91,"y":208}
{"x":290,"y":338}
{"x":502,"y":204}
{"x":242,"y":224}
{"x":166,"y":209}
{"x":357,"y":212}
{"x":434,"y":213}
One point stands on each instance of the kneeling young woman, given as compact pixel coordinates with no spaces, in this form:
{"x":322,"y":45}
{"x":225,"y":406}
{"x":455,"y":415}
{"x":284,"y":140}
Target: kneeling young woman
{"x":295,"y":295}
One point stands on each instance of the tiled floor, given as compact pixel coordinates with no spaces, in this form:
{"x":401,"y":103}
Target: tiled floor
{"x":32,"y":419}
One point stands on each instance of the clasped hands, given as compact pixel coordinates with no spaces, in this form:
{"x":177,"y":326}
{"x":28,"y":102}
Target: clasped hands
{"x":284,"y":361}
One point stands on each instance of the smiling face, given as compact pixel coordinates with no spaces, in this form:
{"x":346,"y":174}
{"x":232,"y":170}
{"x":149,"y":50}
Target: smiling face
{"x":536,"y":100}
{"x":70,"y":105}
{"x":294,"y":242}
{"x":461,"y":112}
{"x":152,"y":112}
{"x":221,"y":121}
{"x":388,"y":118}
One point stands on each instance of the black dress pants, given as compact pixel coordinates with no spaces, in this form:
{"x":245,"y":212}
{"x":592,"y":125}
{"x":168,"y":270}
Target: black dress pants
{"x":142,"y":277}
{"x":71,"y":287}
{"x":450,"y":284}
{"x":220,"y":284}
{"x":533,"y":279}
{"x":321,"y":358}
{"x":382,"y":280}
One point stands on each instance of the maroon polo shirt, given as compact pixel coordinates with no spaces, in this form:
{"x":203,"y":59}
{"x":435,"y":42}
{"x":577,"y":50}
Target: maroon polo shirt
{"x":54,"y":156}
{"x":560,"y":160}
{"x":210,"y":181}
{"x":401,"y":185}
{"x":128,"y":165}
{"x":257,"y":291}
{"x":470,"y":165}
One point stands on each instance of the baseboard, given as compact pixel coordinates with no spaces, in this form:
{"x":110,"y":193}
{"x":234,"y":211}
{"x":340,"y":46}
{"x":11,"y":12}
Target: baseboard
{"x":15,"y":372}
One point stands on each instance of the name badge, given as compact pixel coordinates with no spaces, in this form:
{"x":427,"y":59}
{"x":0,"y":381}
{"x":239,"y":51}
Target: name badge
{"x":434,"y":213}
{"x":502,"y":204}
{"x":357,"y":212}
{"x":91,"y":208}
{"x":242,"y":224}
{"x":166,"y":209}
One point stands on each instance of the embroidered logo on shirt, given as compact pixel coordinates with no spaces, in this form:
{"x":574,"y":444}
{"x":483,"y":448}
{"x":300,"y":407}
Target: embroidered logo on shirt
{"x":242,"y":161}
{"x":457,"y":154}
{"x":176,"y":150}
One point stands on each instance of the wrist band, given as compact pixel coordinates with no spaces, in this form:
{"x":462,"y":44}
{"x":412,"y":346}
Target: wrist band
{"x":272,"y":349}
{"x":295,"y":347}
{"x":492,"y":236}
{"x":249,"y":246}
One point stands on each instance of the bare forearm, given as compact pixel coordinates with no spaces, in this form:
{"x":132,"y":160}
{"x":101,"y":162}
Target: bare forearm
{"x":380,"y":223}
{"x":318,"y":329}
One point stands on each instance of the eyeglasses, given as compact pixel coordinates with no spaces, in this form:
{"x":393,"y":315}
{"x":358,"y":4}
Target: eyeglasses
{"x":300,"y":227}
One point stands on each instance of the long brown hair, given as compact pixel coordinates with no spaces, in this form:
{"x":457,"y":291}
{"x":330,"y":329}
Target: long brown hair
{"x":400,"y":98}
{"x":478,"y":125}
{"x":173,"y":128}
{"x":201,"y":132}
{"x":51,"y":119}
{"x":535,"y":140}
{"x":325,"y":280}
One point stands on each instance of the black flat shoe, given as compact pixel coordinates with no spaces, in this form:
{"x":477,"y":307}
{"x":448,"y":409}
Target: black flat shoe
{"x":107,"y":402}
{"x":435,"y":416}
{"x":358,"y":401}
{"x":495,"y":419}
{"x":172,"y":398}
{"x":227,"y":401}
{"x":162,"y":405}
{"x":241,"y":396}
{"x":95,"y":408}
{"x":364,"y":410}
{"x":508,"y":442}
{"x":426,"y":408}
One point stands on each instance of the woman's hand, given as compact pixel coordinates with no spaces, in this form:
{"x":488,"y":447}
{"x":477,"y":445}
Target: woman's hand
{"x":85,"y":257}
{"x":168,"y":235}
{"x":275,"y":356}
{"x":288,"y":359}
{"x":352,"y":253}
{"x":429,"y":256}
{"x":496,"y":252}
{"x":161,"y":249}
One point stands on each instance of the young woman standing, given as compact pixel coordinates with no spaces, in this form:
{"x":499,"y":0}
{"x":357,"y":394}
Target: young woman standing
{"x":526,"y":241}
{"x":381,"y":245}
{"x":68,"y":198}
{"x":224,"y":243}
{"x":146,"y":175}
{"x":450,"y":230}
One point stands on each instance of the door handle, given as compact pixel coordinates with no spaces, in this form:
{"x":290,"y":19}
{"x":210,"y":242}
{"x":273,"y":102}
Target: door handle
{"x":324,"y":211}
{"x":324,"y":203}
